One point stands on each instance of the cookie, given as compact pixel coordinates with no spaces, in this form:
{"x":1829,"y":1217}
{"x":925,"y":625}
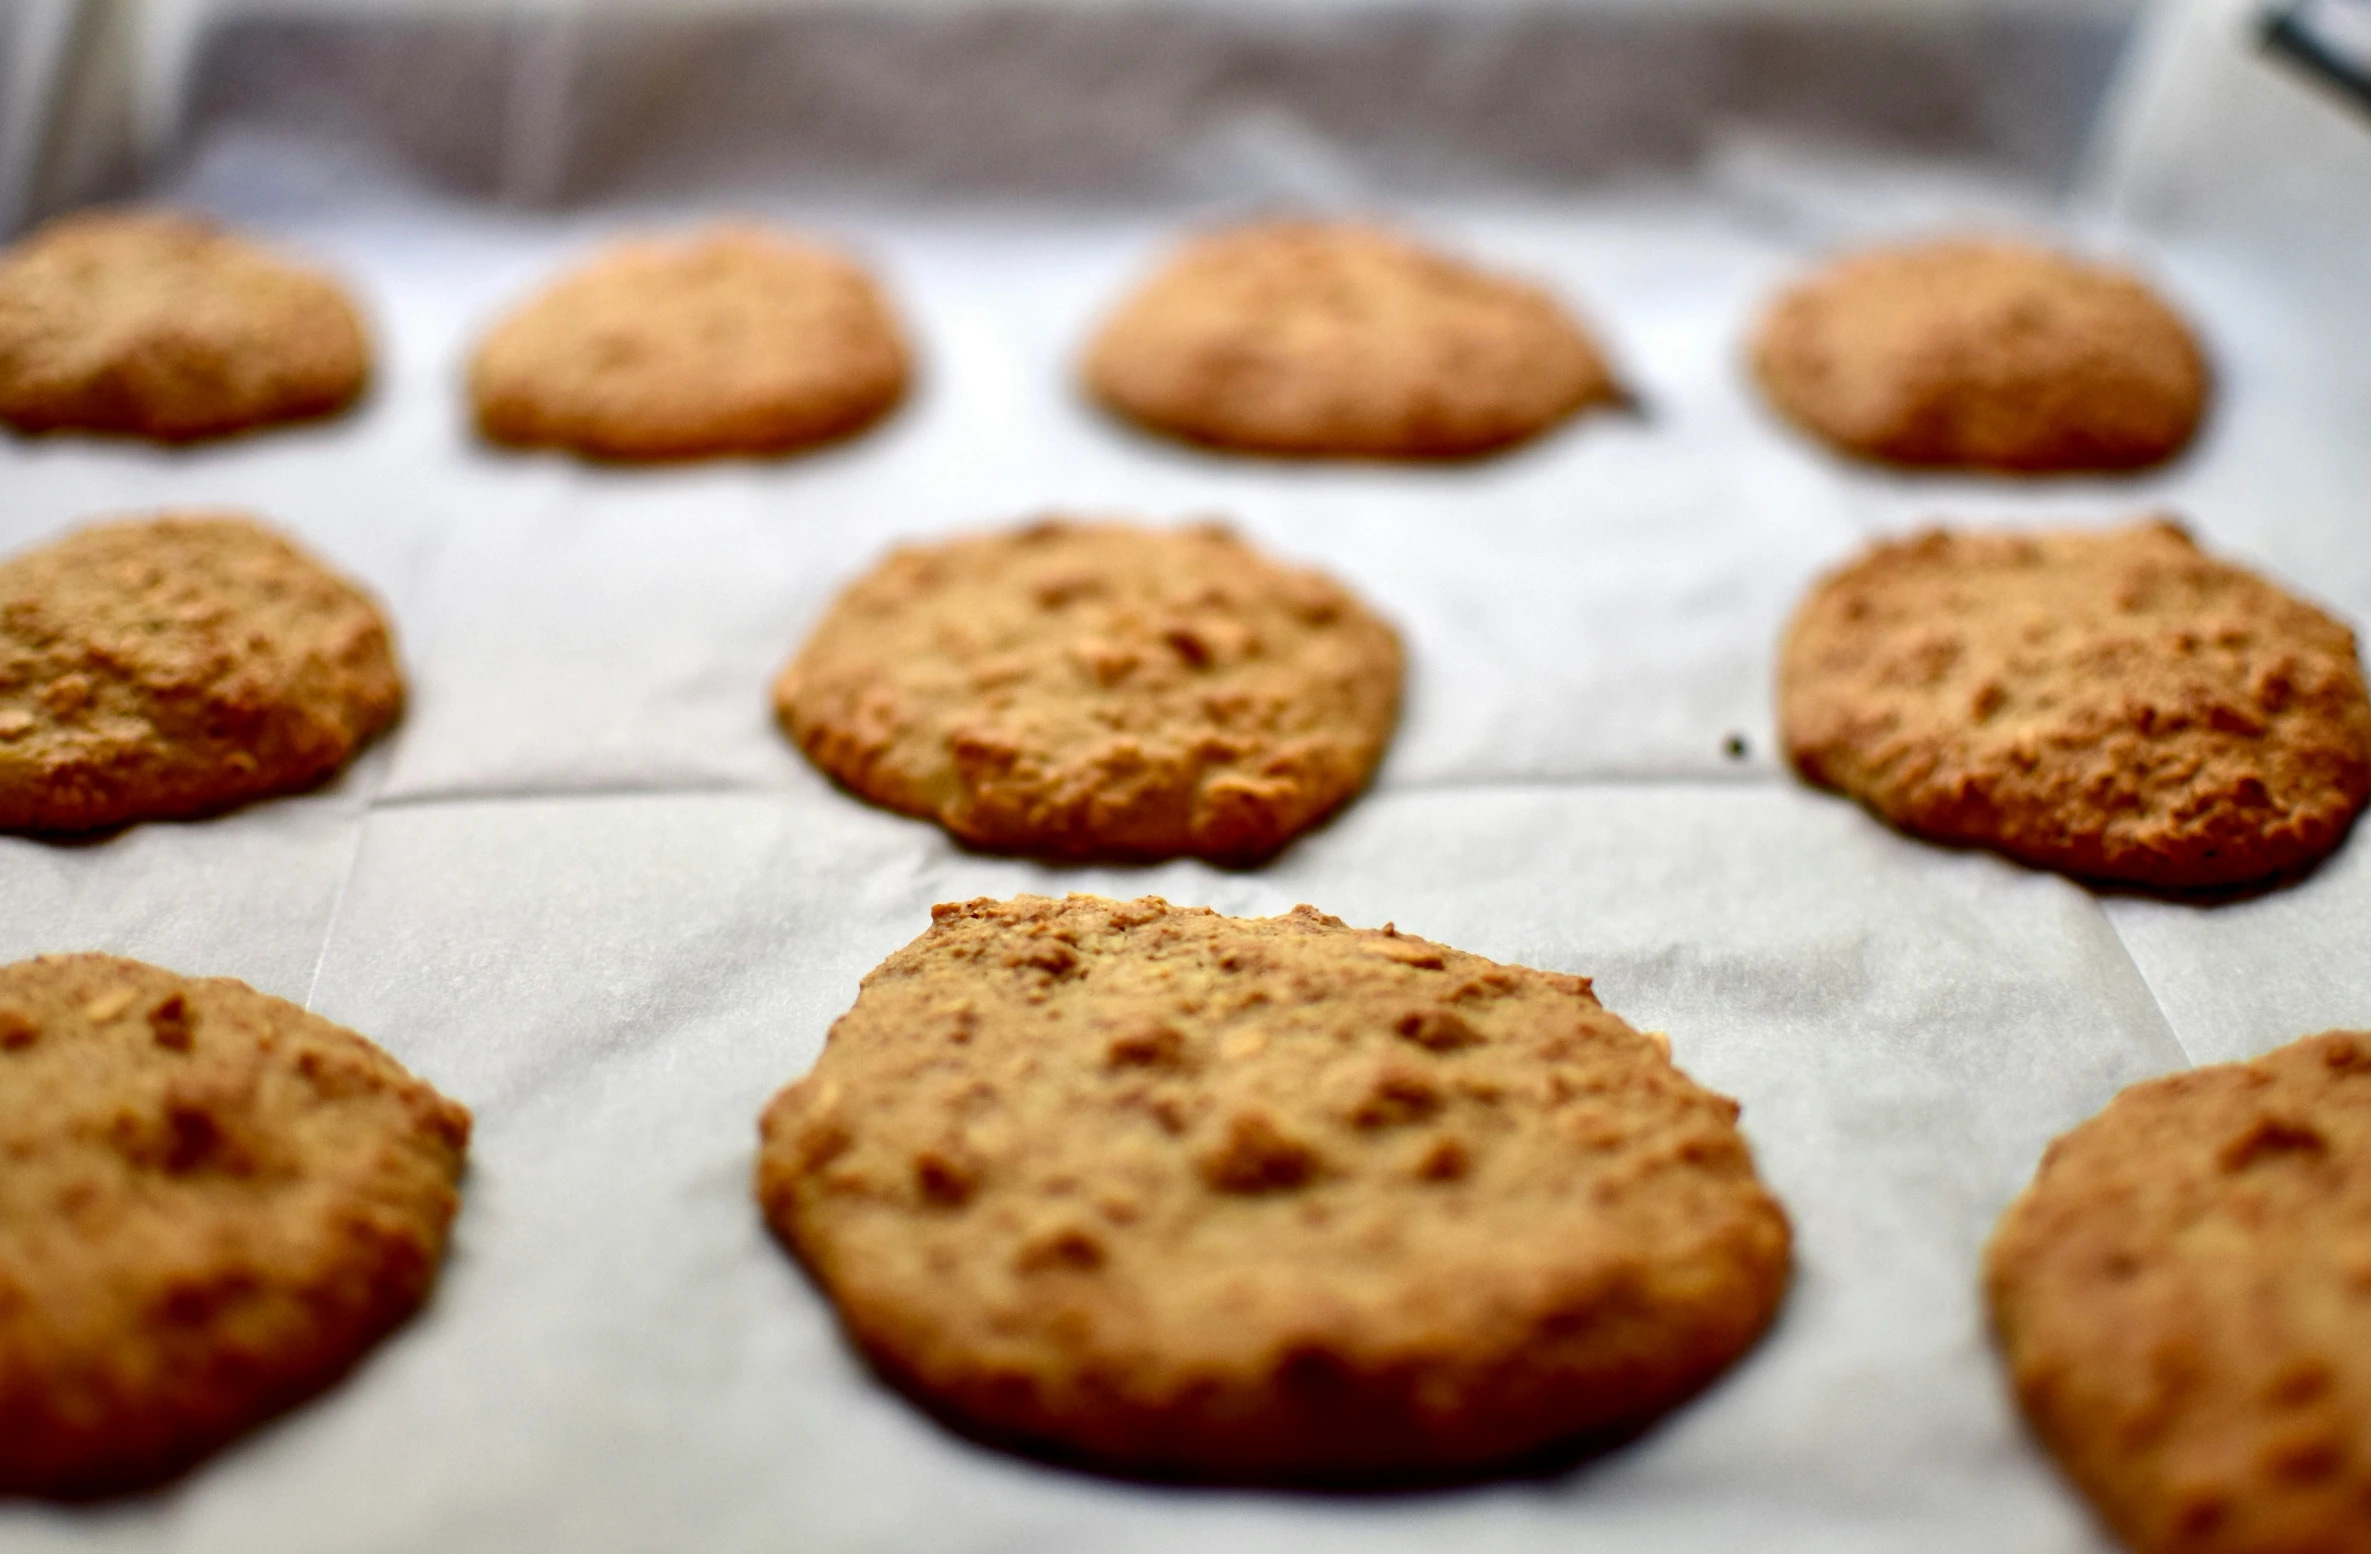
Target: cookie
{"x":1265,"y":1198}
{"x":213,"y":1204}
{"x":2183,"y":1296}
{"x":163,"y":667}
{"x":1075,"y":690}
{"x":732,"y":341}
{"x":161,"y":326}
{"x":2114,"y":705}
{"x":1324,"y":338}
{"x":1983,"y":355}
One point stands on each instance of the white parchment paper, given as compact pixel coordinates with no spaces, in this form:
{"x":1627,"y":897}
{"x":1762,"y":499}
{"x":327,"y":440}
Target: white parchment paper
{"x":588,"y":890}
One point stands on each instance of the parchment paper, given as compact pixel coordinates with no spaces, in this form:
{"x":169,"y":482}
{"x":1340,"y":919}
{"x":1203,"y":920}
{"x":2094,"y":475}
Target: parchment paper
{"x":589,"y":891}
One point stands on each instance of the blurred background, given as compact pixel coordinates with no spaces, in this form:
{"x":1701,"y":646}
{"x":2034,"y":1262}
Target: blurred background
{"x":2230,"y":116}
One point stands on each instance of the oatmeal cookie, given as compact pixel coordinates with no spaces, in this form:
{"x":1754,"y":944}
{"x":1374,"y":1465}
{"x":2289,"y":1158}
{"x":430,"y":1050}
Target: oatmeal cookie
{"x":1264,"y":1199}
{"x":161,"y":326}
{"x":2116,"y":705}
{"x":2183,"y":1296}
{"x":1098,"y":690}
{"x":171,"y":666}
{"x":213,"y":1203}
{"x":1326,"y":338}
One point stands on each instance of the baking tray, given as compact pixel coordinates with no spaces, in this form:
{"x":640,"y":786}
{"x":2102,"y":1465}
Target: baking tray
{"x":587,"y":889}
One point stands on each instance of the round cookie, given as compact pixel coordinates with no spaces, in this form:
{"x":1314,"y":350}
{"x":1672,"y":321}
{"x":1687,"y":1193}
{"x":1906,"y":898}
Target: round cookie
{"x":2183,"y":1296}
{"x":160,"y":326}
{"x":1098,"y":690}
{"x":171,"y":666}
{"x":1983,"y":355}
{"x":1321,"y":338}
{"x":1267,"y":1198}
{"x":732,"y":341}
{"x":213,"y":1204}
{"x":2114,"y":705}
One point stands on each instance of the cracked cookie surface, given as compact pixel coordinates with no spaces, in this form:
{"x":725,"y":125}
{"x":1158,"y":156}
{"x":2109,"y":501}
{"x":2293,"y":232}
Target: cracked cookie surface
{"x":2113,"y":704}
{"x":161,"y":326}
{"x":1983,"y":354}
{"x":1328,"y":338}
{"x":2183,"y":1296}
{"x":1098,"y":689}
{"x":1264,"y":1198}
{"x":735,"y":340}
{"x":211,"y":1204}
{"x":163,"y":667}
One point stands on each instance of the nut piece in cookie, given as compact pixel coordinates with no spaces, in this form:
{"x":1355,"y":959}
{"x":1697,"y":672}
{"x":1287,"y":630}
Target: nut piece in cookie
{"x":734,"y":341}
{"x":1983,"y":355}
{"x":213,"y":1203}
{"x":2183,"y":1296}
{"x":1325,"y":338}
{"x":160,"y":326}
{"x":1264,"y":1199}
{"x":1098,"y":690}
{"x":2115,"y":705}
{"x":157,"y":668}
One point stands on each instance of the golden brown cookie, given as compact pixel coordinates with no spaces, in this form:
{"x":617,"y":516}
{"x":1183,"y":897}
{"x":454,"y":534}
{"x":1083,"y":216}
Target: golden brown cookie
{"x":1326,"y":338}
{"x":162,"y":667}
{"x":1098,"y":690}
{"x":1984,"y":355}
{"x":2184,"y":1299}
{"x":161,"y":326}
{"x":732,"y":341}
{"x":1264,"y":1198}
{"x":2113,"y":704}
{"x":211,"y":1204}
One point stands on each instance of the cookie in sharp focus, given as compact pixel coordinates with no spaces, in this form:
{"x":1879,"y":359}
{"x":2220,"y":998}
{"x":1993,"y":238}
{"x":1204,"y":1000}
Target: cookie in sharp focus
{"x":163,"y":667}
{"x":1335,"y":339}
{"x":1073,"y":689}
{"x":2113,"y":704}
{"x":2183,"y":1297}
{"x":1983,"y":355}
{"x":214,"y":1204}
{"x":1264,"y":1199}
{"x":732,"y":341}
{"x":161,"y":326}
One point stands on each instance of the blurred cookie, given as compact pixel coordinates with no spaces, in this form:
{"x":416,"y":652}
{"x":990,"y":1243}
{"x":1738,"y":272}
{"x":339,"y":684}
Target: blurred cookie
{"x":733,"y":341}
{"x":213,"y":1204}
{"x":1264,"y":1198}
{"x":1098,"y":689}
{"x":1333,"y":339}
{"x":162,"y":667}
{"x":1984,"y":355}
{"x":2112,"y":704}
{"x":2184,"y":1299}
{"x":161,"y":326}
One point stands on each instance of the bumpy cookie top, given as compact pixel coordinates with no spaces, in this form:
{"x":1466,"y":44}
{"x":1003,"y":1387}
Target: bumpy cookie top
{"x":1329,"y":338}
{"x":211,"y":1202}
{"x":1082,"y":689}
{"x":1986,"y":354}
{"x":2113,"y":704}
{"x":1264,"y":1197}
{"x":2184,"y":1296}
{"x":167,"y":666}
{"x":136,"y":321}
{"x":733,"y":341}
